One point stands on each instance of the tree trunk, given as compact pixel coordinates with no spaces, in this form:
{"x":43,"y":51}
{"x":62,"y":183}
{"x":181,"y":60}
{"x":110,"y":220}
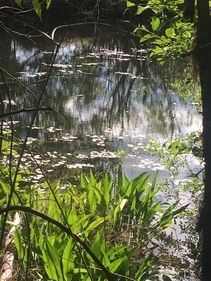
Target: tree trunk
{"x":203,"y":56}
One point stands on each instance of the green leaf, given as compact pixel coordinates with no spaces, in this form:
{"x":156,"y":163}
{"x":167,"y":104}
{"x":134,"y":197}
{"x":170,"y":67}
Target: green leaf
{"x":140,"y":9}
{"x":92,"y":199}
{"x":53,"y":261}
{"x":18,"y":244}
{"x":155,"y":23}
{"x":170,"y":32}
{"x":67,"y":257}
{"x":48,"y":3}
{"x":174,"y":147}
{"x":96,"y":245}
{"x":18,"y":2}
{"x":114,"y":265}
{"x":147,"y":37}
{"x":130,"y":4}
{"x":95,"y":223}
{"x":37,"y":7}
{"x":83,"y":180}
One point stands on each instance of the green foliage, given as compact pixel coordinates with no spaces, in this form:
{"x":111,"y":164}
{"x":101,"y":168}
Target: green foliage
{"x":114,"y":219}
{"x":173,"y":154}
{"x":36,"y":4}
{"x":168,"y":32}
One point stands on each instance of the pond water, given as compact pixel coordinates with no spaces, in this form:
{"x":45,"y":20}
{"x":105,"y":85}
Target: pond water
{"x":107,"y":96}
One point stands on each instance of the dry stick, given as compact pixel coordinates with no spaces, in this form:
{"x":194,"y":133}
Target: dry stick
{"x":65,"y":229}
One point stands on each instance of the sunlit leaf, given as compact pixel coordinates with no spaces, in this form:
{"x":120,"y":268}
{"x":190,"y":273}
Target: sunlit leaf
{"x":155,"y":23}
{"x":67,"y":257}
{"x":53,"y":261}
{"x":122,"y":204}
{"x":141,"y":9}
{"x":170,"y":32}
{"x":48,"y":3}
{"x":130,"y":4}
{"x":114,"y":265}
{"x":95,"y":223}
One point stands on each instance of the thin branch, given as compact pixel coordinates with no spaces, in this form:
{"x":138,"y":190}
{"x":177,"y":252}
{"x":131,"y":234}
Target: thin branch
{"x":25,"y":110}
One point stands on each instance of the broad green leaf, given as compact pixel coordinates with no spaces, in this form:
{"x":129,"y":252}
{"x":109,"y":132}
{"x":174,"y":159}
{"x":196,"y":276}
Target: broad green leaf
{"x":92,"y":179}
{"x":84,"y":220}
{"x":37,"y":7}
{"x":67,"y":257}
{"x":5,"y":144}
{"x":174,"y":147}
{"x":115,"y":214}
{"x":130,"y":4}
{"x":95,"y":223}
{"x":140,"y":9}
{"x":72,"y":218}
{"x":114,"y":265}
{"x":155,"y":23}
{"x":106,"y":189}
{"x":80,"y":270}
{"x":54,"y":264}
{"x":49,"y":266}
{"x":147,"y":37}
{"x":83,"y":180}
{"x":96,"y":245}
{"x":18,"y":244}
{"x":170,"y":32}
{"x":92,"y":199}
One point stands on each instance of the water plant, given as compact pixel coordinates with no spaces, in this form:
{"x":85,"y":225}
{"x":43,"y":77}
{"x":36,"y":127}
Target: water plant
{"x":94,"y":230}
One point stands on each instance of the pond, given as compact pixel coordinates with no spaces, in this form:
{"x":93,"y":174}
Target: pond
{"x":107,"y":97}
{"x":104,"y":100}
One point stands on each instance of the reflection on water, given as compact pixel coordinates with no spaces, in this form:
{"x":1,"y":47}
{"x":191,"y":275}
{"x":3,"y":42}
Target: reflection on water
{"x":105,"y":92}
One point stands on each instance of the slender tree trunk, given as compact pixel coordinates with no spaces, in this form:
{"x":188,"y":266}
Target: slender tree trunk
{"x":203,"y":56}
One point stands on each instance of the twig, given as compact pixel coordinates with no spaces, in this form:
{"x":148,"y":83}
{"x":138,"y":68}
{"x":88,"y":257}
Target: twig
{"x":25,"y":110}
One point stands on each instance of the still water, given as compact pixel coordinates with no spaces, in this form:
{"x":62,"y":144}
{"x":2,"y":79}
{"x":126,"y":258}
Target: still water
{"x":107,"y":96}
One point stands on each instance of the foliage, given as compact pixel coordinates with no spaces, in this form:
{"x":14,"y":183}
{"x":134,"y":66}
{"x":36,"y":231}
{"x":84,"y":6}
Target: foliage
{"x":168,"y":32}
{"x":176,"y":154}
{"x":37,"y":6}
{"x":116,"y":220}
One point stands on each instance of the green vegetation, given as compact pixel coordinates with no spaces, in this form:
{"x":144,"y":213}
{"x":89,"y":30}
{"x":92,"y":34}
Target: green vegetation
{"x":187,"y":33}
{"x":96,"y":228}
{"x":72,"y":231}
